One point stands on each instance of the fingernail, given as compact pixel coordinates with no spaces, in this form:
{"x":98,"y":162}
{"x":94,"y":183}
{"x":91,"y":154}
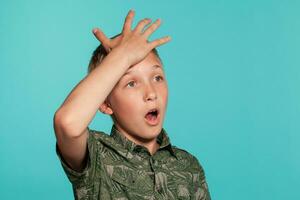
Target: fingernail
{"x":95,"y":30}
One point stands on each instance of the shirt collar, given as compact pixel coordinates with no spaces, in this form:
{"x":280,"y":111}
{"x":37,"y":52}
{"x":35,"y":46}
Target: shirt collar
{"x":162,"y":139}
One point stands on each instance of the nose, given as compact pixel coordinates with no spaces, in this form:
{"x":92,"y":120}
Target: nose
{"x":150,"y":93}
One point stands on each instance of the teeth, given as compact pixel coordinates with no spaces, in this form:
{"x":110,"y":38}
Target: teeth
{"x":152,"y":111}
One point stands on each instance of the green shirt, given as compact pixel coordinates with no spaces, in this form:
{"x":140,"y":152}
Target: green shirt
{"x":120,"y":169}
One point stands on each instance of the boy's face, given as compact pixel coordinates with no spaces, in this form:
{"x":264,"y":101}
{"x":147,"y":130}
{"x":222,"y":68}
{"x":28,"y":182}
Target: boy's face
{"x":141,"y":89}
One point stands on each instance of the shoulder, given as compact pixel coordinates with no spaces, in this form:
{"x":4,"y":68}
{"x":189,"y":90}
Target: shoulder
{"x":187,"y":158}
{"x":97,"y":134}
{"x":96,"y":140}
{"x":193,"y":166}
{"x":182,"y":153}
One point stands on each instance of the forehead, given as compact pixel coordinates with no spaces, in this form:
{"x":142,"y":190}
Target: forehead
{"x":142,"y":69}
{"x":148,"y":64}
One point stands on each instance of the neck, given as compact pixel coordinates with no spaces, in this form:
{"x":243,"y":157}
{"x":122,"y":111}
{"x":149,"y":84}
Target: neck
{"x":152,"y":148}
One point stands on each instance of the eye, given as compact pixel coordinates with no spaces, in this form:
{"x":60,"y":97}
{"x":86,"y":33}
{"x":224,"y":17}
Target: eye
{"x":159,"y":78}
{"x":131,"y":84}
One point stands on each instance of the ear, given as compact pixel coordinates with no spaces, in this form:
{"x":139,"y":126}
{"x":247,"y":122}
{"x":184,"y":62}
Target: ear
{"x":105,"y":108}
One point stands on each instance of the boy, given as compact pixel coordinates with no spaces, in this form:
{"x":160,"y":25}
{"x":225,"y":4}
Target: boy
{"x":136,"y":161}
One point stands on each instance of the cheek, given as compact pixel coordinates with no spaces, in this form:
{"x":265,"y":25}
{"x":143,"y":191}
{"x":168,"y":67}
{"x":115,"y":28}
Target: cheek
{"x":164,"y":93}
{"x":125,"y":104}
{"x":129,"y":102}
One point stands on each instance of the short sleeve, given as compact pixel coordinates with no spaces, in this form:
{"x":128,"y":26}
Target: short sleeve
{"x":84,"y":177}
{"x":199,"y":181}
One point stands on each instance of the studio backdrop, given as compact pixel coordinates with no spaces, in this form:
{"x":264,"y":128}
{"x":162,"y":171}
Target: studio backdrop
{"x":233,"y":72}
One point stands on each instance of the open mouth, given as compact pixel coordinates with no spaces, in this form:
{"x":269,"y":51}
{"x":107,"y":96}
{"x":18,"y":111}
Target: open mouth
{"x":152,"y":116}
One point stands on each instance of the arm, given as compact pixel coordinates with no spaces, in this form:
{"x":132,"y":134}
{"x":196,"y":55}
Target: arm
{"x":199,"y":181}
{"x":79,"y":108}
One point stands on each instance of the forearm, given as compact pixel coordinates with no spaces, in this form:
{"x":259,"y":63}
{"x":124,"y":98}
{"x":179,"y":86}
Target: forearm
{"x":82,"y":103}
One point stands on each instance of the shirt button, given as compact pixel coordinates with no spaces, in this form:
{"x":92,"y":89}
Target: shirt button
{"x":159,"y":190}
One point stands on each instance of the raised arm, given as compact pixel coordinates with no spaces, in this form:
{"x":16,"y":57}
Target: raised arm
{"x":79,"y":108}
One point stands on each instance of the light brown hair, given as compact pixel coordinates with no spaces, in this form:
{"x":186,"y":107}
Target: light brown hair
{"x":100,"y":53}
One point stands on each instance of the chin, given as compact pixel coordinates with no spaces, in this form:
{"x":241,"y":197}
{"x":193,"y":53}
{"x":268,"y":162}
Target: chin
{"x":152,"y":132}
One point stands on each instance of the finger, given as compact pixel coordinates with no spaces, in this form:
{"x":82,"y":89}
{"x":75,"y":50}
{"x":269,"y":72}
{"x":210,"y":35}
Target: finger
{"x":102,"y":38}
{"x":128,"y":22}
{"x":115,"y":41}
{"x":159,"y":42}
{"x":152,"y":28}
{"x":142,"y":24}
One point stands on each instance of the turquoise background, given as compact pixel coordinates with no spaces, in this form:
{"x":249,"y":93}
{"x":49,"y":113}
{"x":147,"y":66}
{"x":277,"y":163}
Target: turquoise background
{"x":233,"y":73}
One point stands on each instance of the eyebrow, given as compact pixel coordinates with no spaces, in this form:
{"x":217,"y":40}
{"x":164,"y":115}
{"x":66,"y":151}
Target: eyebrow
{"x":154,"y":68}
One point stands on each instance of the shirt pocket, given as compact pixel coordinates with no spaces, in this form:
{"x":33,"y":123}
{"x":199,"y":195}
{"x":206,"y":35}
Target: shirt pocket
{"x":123,"y":179}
